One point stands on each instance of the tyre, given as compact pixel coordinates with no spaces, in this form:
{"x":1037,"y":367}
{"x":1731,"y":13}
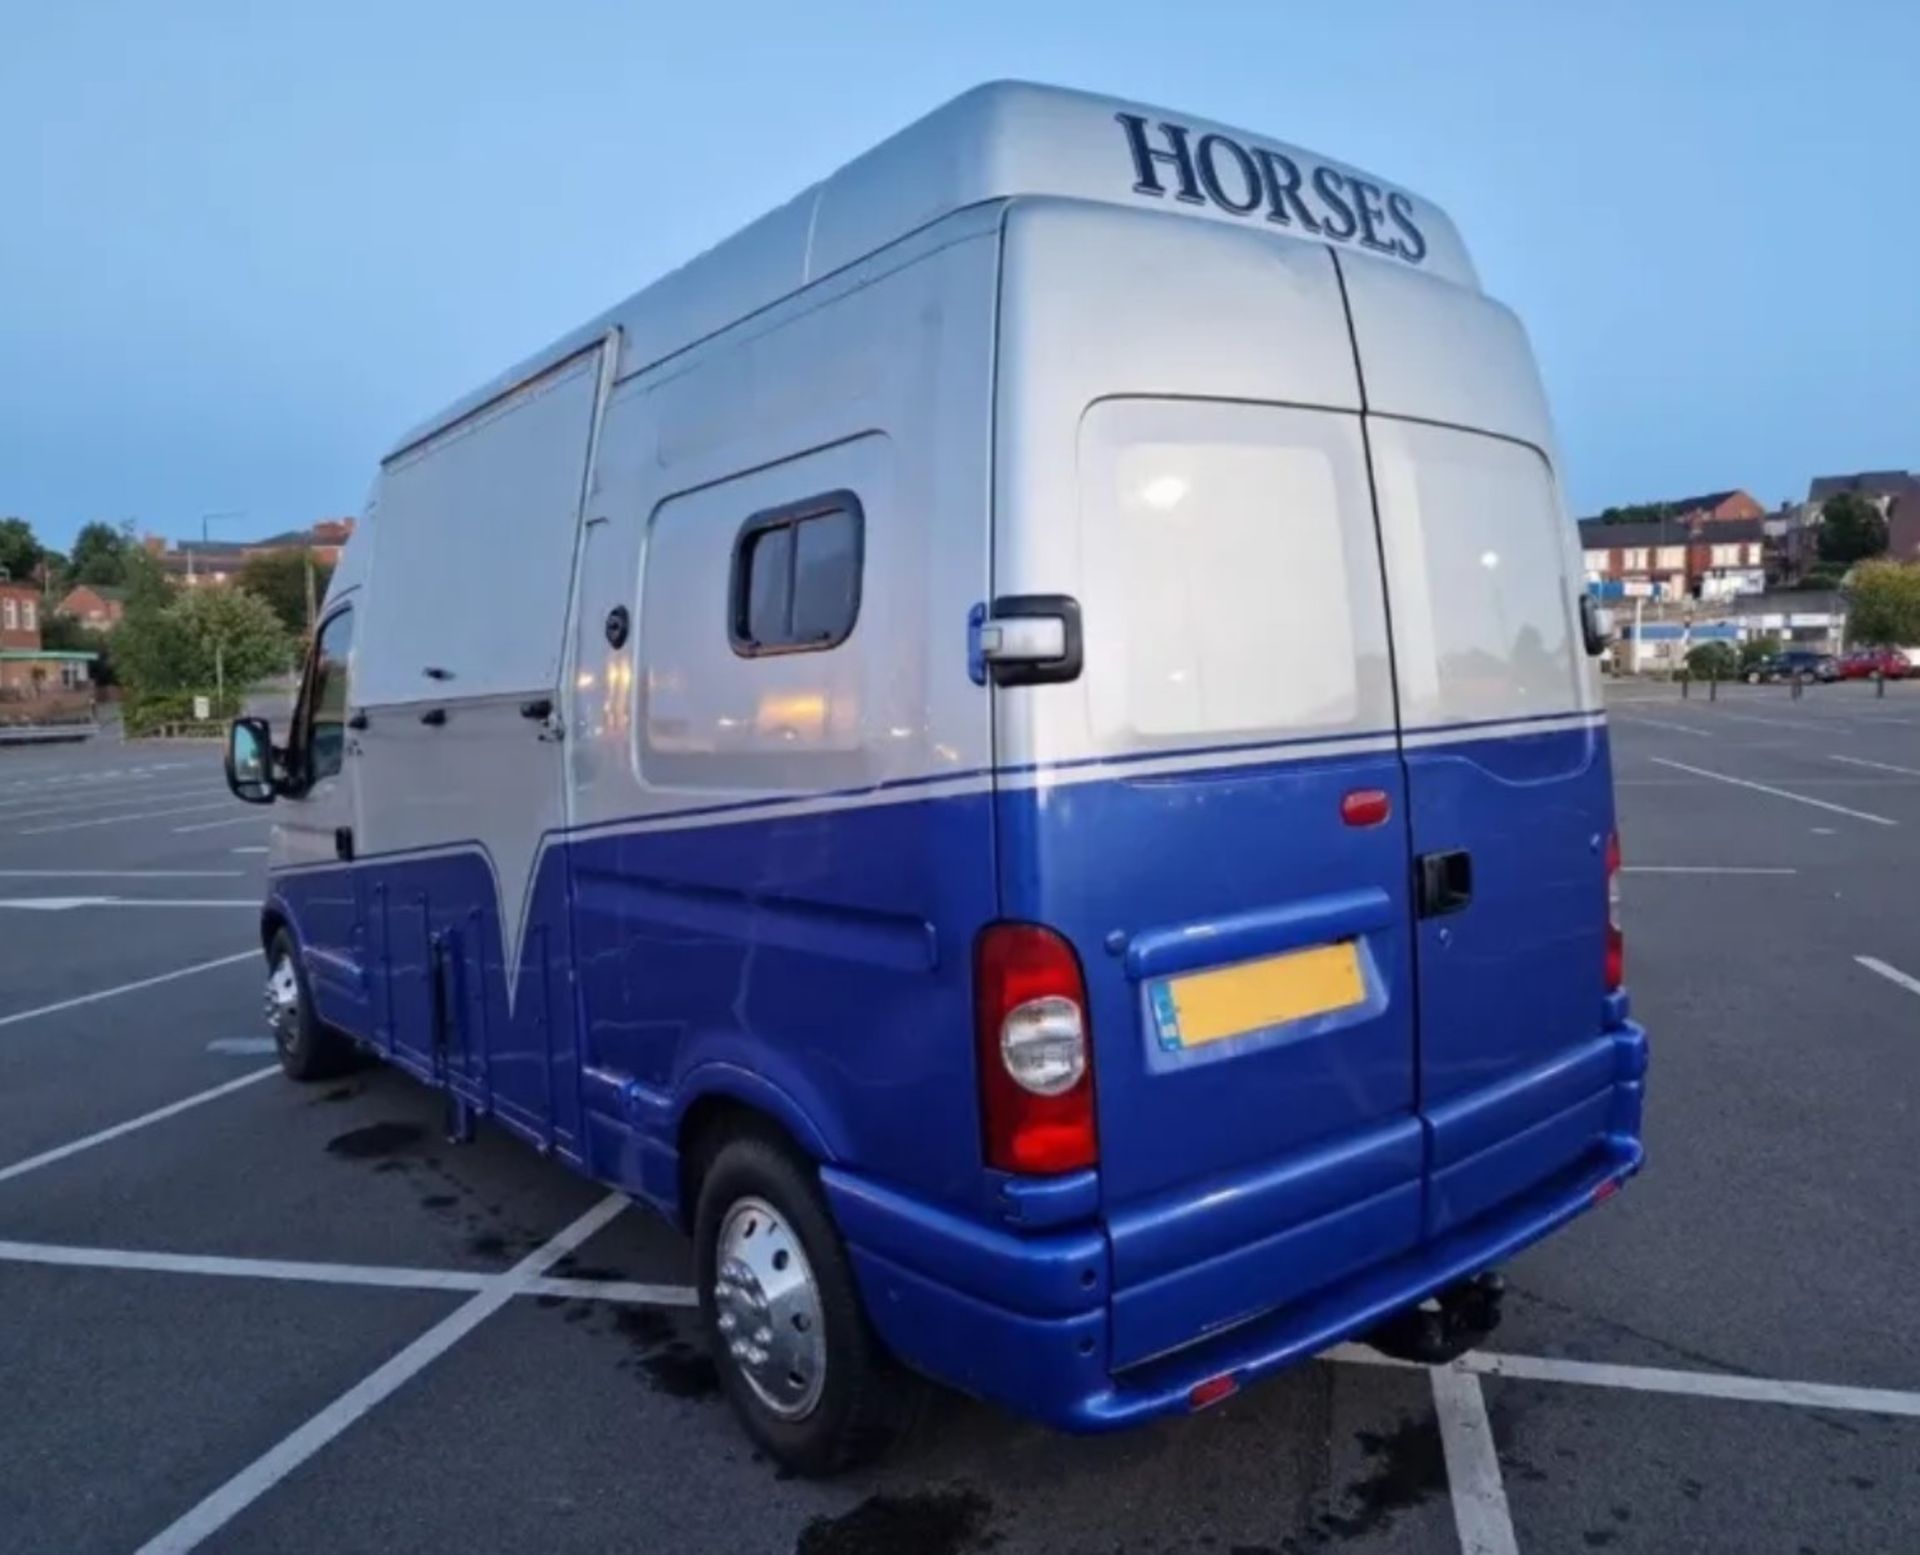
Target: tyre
{"x":797,"y":1357}
{"x":309,"y":1049}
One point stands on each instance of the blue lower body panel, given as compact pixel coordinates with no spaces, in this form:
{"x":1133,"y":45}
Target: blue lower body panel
{"x":1029,"y":1321}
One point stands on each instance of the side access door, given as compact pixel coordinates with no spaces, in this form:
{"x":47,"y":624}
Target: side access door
{"x":1212,"y":809}
{"x":1509,"y":792}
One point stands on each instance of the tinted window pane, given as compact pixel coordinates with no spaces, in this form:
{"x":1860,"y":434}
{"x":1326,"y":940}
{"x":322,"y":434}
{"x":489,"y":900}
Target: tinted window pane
{"x":826,"y":581}
{"x":768,"y":563}
{"x":327,"y":729}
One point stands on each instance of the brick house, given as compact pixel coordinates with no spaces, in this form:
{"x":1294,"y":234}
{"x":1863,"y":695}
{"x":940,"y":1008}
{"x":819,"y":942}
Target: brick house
{"x":95,"y":605}
{"x":27,"y":669}
{"x":1701,"y":556}
{"x":1717,"y":507}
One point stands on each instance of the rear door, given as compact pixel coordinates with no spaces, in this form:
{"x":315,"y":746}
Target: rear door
{"x":1509,"y":793}
{"x":1211,"y":811}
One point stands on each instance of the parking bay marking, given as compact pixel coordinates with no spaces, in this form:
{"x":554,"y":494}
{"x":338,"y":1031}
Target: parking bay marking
{"x":1480,"y":1515}
{"x":1778,"y":793}
{"x":1655,"y":723}
{"x":266,"y":1471}
{"x":1891,"y":973}
{"x":145,"y":982}
{"x":115,"y":820}
{"x":1703,"y":869}
{"x":232,"y":820}
{"x":1884,"y":766}
{"x":173,"y":1109}
{"x":1727,"y":1386}
{"x":123,"y":874}
{"x":69,"y":903}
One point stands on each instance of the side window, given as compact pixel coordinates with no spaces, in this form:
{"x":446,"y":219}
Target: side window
{"x":321,"y":728}
{"x":796,"y":576}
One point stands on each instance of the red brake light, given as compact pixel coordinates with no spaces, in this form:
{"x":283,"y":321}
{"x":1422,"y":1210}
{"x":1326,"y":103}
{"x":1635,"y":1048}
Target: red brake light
{"x":1035,"y":1052}
{"x":1616,"y":940}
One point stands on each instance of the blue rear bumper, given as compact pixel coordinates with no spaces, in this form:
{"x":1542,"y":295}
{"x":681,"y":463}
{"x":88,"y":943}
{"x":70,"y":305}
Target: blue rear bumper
{"x":1027,"y":1320}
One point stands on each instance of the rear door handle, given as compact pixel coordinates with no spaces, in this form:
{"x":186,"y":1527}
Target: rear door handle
{"x":1442,"y":882}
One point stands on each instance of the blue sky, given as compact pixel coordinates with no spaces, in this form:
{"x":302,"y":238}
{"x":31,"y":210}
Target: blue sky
{"x":242,"y":245}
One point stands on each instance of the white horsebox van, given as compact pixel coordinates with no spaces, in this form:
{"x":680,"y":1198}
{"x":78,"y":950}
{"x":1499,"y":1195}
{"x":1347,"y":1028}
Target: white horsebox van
{"x":1015,"y":747}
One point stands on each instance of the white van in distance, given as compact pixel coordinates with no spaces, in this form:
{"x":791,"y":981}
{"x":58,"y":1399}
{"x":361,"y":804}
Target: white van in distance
{"x":1015,"y":748}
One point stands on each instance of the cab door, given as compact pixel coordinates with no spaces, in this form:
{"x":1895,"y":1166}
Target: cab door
{"x":1509,"y":794}
{"x":313,"y":837}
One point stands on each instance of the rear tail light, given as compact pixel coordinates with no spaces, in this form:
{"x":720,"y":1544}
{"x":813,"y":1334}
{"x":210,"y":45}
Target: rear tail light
{"x":1036,"y":1060}
{"x":1616,"y":941}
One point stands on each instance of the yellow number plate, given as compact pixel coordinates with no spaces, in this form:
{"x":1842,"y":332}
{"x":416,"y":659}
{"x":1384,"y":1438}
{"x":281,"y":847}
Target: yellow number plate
{"x":1231,"y":1001}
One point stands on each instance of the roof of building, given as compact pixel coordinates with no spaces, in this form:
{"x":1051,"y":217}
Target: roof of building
{"x":1868,"y":483}
{"x":106,"y":591}
{"x":1001,"y":140}
{"x":1598,"y":536}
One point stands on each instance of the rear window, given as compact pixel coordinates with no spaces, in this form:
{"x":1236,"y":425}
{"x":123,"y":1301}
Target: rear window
{"x":1232,"y":583}
{"x":1481,"y":569}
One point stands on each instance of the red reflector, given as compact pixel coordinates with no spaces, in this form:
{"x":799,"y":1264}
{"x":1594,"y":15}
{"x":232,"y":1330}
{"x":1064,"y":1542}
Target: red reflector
{"x":1615,"y":971}
{"x":1212,"y":1391}
{"x":1606,"y":1190}
{"x":1365,"y":807}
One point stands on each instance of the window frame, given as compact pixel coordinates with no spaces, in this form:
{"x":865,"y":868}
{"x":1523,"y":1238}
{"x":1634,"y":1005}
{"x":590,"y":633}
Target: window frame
{"x":299,"y":749}
{"x":791,"y":515}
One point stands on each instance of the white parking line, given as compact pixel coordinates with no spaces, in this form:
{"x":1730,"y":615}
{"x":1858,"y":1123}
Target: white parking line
{"x":69,"y":903}
{"x":232,"y":820}
{"x":116,"y":820}
{"x":1655,"y":723}
{"x":108,"y":993}
{"x":1778,"y":793}
{"x":1654,"y":1379}
{"x":1480,"y":1514}
{"x":266,"y":1471}
{"x":1702,"y":869}
{"x":1890,"y":973}
{"x":250,"y":850}
{"x":305,"y":1271}
{"x":123,"y":874}
{"x":1883,"y":766}
{"x":47,"y":804}
{"x":159,"y":1114}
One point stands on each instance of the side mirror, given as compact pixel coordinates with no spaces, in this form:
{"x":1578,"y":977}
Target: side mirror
{"x":1596,"y":626}
{"x":250,"y":761}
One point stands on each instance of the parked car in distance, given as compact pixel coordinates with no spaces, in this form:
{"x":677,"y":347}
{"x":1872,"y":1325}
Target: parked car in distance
{"x":1865,"y":663}
{"x":1795,"y":664}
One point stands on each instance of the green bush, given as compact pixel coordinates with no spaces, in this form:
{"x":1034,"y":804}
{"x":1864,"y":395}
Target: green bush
{"x":1755,"y":649}
{"x":150,"y":711}
{"x":1713,"y":661}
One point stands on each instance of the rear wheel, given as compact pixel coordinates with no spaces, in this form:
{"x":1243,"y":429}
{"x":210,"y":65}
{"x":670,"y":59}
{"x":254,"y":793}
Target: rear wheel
{"x":309,"y":1049}
{"x":799,"y":1362}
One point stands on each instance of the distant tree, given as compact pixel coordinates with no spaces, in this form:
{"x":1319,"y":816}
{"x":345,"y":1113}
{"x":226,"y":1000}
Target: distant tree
{"x":1851,"y":529}
{"x":100,"y":555}
{"x":145,"y":580}
{"x":1883,"y":603}
{"x":280,"y":578}
{"x":20,"y":551}
{"x":204,"y":636}
{"x":1637,"y":513}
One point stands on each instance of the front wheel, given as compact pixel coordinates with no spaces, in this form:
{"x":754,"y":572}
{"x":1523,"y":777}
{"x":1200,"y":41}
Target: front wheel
{"x":309,"y":1049}
{"x":799,"y":1362}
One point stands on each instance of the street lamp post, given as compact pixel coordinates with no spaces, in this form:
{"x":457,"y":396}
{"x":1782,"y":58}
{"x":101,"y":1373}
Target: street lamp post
{"x":207,"y":520}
